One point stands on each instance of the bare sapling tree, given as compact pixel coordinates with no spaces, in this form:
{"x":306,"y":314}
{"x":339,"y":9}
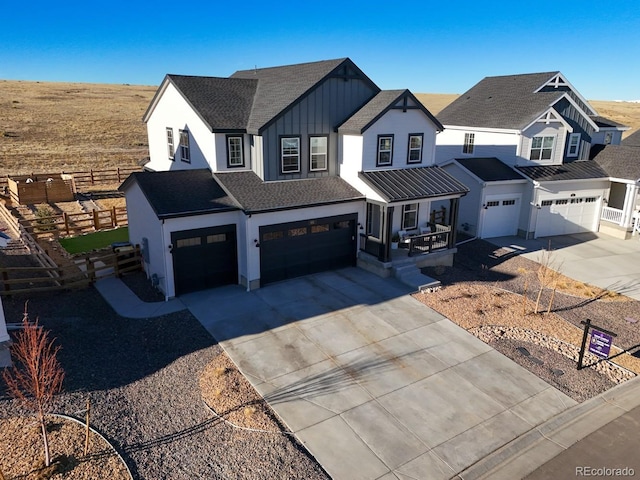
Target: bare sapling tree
{"x":36,"y":376}
{"x":548,"y":274}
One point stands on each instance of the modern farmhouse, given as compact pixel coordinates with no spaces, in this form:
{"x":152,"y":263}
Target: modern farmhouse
{"x":524,"y":145}
{"x":274,"y":173}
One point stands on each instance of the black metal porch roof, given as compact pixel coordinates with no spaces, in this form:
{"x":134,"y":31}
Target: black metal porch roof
{"x":413,"y":183}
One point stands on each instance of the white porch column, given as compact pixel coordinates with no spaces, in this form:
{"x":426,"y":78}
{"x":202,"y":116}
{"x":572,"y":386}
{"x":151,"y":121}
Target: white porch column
{"x":629,"y":205}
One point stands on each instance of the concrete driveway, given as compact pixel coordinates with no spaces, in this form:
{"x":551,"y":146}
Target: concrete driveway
{"x":375,"y":384}
{"x":592,"y":258}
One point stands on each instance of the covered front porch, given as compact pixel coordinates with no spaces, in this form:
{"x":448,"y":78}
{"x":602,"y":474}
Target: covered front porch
{"x":620,"y":217}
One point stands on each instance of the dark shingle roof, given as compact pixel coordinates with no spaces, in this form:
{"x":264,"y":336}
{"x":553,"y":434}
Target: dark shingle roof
{"x":279,"y":87}
{"x":632,"y":140}
{"x":224,"y":104}
{"x":413,"y":183}
{"x":606,"y":122}
{"x":581,"y":170}
{"x":257,"y":196}
{"x":377,"y":106}
{"x":508,"y":102}
{"x":619,"y":161}
{"x":181,"y":192}
{"x":489,"y":169}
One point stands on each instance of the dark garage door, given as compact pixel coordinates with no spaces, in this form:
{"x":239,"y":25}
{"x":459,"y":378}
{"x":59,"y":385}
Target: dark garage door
{"x":289,"y":250}
{"x":204,"y":258}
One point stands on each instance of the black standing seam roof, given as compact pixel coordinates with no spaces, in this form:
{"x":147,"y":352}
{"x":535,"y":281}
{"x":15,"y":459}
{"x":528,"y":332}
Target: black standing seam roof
{"x":489,"y":169}
{"x":413,"y":183}
{"x":581,"y":170}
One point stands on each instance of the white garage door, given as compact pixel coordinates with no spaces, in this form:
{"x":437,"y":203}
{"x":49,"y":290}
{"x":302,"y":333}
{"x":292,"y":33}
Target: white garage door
{"x":564,"y":216}
{"x":500,"y":217}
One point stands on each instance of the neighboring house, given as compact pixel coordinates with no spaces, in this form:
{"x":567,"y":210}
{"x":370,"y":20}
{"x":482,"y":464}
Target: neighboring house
{"x":621,"y":212}
{"x":251,"y":180}
{"x":522,"y":145}
{"x":632,"y":140}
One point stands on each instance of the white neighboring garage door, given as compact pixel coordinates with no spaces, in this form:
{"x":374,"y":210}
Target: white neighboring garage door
{"x":564,"y":216}
{"x":500,"y":217}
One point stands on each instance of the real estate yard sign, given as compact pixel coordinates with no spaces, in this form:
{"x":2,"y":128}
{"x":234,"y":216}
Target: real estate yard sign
{"x":600,"y":343}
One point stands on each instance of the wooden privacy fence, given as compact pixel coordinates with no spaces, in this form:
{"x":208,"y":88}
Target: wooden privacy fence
{"x":76,"y":223}
{"x":27,"y":280}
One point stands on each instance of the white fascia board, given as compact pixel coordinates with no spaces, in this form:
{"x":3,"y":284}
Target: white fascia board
{"x":483,"y":129}
{"x":559,"y":120}
{"x":622,"y":180}
{"x":584,"y":114}
{"x":506,"y":182}
{"x":573,"y":89}
{"x":578,"y":180}
{"x":156,"y":99}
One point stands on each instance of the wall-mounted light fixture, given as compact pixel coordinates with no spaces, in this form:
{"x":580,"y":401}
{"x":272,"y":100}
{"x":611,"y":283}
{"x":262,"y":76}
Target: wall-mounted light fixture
{"x":255,"y":240}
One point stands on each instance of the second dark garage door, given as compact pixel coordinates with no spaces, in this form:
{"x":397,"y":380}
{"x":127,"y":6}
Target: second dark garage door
{"x":204,"y":258}
{"x":289,"y":250}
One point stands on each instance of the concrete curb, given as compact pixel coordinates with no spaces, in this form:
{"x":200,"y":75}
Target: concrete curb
{"x":526,"y":453}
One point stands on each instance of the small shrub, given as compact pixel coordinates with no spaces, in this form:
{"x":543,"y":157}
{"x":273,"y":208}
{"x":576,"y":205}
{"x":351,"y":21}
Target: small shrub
{"x":45,"y":224}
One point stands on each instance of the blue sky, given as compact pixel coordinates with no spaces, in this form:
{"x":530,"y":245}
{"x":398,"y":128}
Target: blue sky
{"x":426,"y":46}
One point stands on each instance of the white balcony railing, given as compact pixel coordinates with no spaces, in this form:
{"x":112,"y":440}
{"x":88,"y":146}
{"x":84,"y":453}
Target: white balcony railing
{"x":611,"y":215}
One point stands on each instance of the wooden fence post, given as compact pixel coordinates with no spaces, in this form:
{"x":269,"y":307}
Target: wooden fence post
{"x":96,"y":220}
{"x":91,"y":275}
{"x":66,"y":222}
{"x":91,"y":171}
{"x":118,"y":173}
{"x":114,"y":219}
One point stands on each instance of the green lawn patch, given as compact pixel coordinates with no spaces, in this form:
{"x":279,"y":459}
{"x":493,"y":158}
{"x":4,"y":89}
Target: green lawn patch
{"x":94,"y":241}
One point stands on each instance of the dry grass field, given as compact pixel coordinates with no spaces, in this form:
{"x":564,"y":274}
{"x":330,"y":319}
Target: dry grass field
{"x":627,"y":113}
{"x":50,"y":127}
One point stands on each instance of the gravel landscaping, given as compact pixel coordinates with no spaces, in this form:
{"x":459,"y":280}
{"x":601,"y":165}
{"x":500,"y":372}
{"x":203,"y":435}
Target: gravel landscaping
{"x":491,"y":292}
{"x":143,"y":380}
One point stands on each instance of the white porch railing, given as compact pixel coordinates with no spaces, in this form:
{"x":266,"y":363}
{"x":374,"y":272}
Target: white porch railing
{"x":611,"y":215}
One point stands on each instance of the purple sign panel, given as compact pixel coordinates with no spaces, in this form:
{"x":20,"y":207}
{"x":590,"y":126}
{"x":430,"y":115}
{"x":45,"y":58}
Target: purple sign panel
{"x":600,"y":343}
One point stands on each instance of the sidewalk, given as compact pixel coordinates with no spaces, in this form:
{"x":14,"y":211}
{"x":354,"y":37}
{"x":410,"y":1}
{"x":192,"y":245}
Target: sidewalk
{"x":128,"y":305}
{"x":559,"y":440}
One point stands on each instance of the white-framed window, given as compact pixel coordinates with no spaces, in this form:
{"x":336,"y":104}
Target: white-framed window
{"x":385,"y":150}
{"x":290,"y":154}
{"x":574,"y":145}
{"x":608,"y":138}
{"x":541,"y":148}
{"x":374,"y":220}
{"x":410,"y":216}
{"x":170,"y":145}
{"x":318,"y":153}
{"x":235,"y":157}
{"x":185,"y":155}
{"x":414,"y":154}
{"x":469,"y":139}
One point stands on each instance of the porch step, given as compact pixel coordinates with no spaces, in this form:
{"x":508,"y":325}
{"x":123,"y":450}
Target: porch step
{"x":412,"y":276}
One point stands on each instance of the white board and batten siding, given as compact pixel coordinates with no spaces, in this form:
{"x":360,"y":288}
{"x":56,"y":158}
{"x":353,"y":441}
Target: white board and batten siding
{"x":172,"y":111}
{"x":502,"y":144}
{"x":399,"y":124}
